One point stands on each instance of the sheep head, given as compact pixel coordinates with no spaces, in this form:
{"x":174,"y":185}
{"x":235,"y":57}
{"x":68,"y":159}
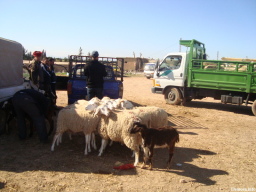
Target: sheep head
{"x":91,"y":107}
{"x":94,"y":100}
{"x":102,"y":110}
{"x":126,"y":104}
{"x":137,"y":127}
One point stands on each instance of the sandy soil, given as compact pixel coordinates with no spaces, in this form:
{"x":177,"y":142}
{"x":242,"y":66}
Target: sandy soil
{"x":216,"y":152}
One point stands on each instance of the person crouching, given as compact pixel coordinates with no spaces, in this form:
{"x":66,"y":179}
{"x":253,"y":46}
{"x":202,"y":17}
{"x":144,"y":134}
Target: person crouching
{"x":36,"y":105}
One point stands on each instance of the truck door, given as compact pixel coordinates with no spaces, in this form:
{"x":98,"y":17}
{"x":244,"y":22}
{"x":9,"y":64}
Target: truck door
{"x":171,"y":71}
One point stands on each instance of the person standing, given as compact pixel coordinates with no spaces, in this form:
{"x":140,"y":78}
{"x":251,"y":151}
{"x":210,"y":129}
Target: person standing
{"x":45,"y":80}
{"x":35,"y":66}
{"x":53,"y":76}
{"x":95,"y":72}
{"x":36,"y":105}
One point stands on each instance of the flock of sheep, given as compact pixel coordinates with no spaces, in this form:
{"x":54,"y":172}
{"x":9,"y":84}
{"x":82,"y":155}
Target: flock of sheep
{"x":112,"y":119}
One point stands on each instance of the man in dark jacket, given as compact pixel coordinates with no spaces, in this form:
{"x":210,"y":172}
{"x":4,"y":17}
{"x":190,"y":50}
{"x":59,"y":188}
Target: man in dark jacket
{"x":53,"y":76}
{"x":36,"y":105}
{"x":45,"y":81}
{"x":94,"y":72}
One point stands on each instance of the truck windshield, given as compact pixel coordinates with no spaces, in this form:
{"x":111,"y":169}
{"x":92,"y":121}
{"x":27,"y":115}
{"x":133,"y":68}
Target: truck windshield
{"x":170,"y":63}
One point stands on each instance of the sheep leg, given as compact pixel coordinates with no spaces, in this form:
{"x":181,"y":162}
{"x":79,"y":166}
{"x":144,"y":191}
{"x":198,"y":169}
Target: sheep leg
{"x":70,"y":135}
{"x":104,"y":143}
{"x":171,"y":151}
{"x":111,"y":143}
{"x":151,"y":150}
{"x":56,"y":136}
{"x":87,"y":144}
{"x":145,"y":158}
{"x":93,"y":141}
{"x":133,"y":153}
{"x":137,"y":155}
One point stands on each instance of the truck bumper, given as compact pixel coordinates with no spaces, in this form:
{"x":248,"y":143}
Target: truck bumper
{"x":157,"y":90}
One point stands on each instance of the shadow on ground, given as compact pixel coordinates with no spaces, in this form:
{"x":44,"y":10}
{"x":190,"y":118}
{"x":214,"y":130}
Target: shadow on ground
{"x":245,"y":110}
{"x":181,"y":164}
{"x":30,"y":155}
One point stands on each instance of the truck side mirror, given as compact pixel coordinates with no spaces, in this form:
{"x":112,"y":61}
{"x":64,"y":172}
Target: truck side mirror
{"x":204,"y":56}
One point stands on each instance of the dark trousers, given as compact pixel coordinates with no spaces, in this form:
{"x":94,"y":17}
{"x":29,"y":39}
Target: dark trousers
{"x":53,"y":88}
{"x":23,"y":104}
{"x":94,"y":92}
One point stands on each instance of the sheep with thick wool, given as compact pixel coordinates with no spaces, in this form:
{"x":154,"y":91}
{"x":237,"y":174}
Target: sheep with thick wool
{"x":116,"y":127}
{"x":76,"y":119}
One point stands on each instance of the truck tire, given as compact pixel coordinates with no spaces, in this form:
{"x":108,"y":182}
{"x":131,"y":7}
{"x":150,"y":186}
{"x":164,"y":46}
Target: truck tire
{"x":254,"y":108}
{"x":173,"y":96}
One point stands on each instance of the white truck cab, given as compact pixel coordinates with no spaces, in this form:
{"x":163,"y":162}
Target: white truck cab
{"x":171,"y":71}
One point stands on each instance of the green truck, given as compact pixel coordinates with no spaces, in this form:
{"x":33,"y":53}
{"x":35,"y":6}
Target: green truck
{"x":181,"y":77}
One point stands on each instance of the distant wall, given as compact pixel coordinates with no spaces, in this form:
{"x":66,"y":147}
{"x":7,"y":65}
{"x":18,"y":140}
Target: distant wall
{"x":134,"y":64}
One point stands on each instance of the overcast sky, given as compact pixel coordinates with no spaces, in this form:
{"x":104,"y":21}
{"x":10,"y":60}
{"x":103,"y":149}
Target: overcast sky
{"x":117,"y":28}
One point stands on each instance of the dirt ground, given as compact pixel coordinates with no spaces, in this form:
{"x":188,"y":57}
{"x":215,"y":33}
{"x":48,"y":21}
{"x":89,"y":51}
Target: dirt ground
{"x":216,"y":152}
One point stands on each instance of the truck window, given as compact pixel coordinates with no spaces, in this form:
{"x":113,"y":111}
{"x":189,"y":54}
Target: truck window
{"x":79,"y":73}
{"x":170,"y":63}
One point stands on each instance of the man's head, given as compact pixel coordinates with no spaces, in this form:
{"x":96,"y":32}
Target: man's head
{"x":95,"y":55}
{"x":51,"y":61}
{"x":45,"y":61}
{"x":37,"y":55}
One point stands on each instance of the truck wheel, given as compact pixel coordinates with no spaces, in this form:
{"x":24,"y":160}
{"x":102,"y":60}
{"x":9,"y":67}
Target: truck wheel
{"x":173,"y":96}
{"x":254,"y":108}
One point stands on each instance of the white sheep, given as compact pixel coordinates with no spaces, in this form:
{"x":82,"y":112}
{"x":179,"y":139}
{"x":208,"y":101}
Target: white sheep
{"x":94,"y":100}
{"x":126,"y":104}
{"x":105,"y":99}
{"x":116,"y":126}
{"x":102,"y":109}
{"x":76,"y":119}
{"x":81,"y":102}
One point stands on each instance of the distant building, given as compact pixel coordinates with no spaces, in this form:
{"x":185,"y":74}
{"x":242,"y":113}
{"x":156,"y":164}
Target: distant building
{"x":134,"y":64}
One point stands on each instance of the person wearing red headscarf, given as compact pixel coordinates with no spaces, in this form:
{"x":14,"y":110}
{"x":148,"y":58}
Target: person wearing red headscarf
{"x":36,"y":71}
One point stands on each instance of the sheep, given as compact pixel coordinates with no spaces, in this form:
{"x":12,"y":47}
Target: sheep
{"x":76,"y":120}
{"x":105,"y":99}
{"x":151,"y":116}
{"x":102,"y":109}
{"x":126,"y":104}
{"x":94,"y":100}
{"x":155,"y":136}
{"x":116,"y":126}
{"x":81,"y":102}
